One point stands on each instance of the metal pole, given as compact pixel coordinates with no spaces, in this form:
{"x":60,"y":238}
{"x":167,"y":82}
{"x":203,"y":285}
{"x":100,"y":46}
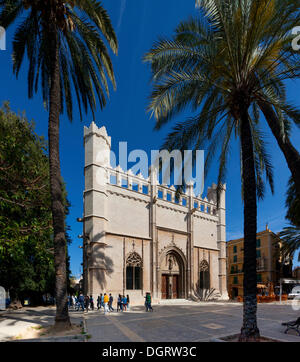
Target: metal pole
{"x":280,"y":290}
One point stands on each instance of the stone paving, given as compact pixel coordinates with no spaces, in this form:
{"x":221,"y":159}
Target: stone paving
{"x":174,"y":322}
{"x":198,"y":322}
{"x":13,"y":323}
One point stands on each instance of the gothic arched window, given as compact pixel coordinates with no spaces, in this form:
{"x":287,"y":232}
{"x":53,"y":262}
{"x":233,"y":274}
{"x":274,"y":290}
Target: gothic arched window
{"x":134,"y":272}
{"x":204,"y":275}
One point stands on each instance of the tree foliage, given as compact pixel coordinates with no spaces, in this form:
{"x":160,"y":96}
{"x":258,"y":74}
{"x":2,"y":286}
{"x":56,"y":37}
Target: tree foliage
{"x":26,"y":234}
{"x":81,"y":28}
{"x":290,"y":235}
{"x":235,"y":51}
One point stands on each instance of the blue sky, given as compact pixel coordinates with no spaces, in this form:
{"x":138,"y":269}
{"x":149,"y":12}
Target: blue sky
{"x":138,"y":24}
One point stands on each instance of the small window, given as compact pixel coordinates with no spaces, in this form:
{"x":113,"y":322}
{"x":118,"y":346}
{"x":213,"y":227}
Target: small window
{"x":235,"y":280}
{"x":258,"y":253}
{"x":169,"y":197}
{"x":145,"y":190}
{"x":160,"y":194}
{"x":196,"y":205}
{"x":235,"y":258}
{"x":259,"y":278}
{"x":184,"y":203}
{"x":124,"y":183}
{"x":235,"y":249}
{"x":258,"y":243}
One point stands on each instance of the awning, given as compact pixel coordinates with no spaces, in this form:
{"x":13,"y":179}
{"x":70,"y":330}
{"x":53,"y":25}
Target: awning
{"x":261,"y":286}
{"x":290,"y":281}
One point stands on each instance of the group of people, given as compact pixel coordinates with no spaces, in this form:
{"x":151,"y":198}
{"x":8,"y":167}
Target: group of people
{"x":106,"y":301}
{"x":81,"y":302}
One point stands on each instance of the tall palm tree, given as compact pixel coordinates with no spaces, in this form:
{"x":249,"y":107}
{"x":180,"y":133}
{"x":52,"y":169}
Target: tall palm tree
{"x":290,"y":235}
{"x":65,"y":45}
{"x":224,"y":65}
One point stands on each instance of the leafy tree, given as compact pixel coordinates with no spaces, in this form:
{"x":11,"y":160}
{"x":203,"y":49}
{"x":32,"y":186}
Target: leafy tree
{"x":26,"y":233}
{"x":65,"y":49}
{"x":227,"y":65}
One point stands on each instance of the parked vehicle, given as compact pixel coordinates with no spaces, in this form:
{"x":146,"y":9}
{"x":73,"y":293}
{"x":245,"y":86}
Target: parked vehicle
{"x":294,"y":293}
{"x":7,"y":302}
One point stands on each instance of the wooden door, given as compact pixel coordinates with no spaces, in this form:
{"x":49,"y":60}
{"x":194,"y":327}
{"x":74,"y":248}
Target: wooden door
{"x":175,"y":285}
{"x":164,"y":286}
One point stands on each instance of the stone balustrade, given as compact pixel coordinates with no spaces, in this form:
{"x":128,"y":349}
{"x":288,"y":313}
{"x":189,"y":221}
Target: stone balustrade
{"x":137,"y":183}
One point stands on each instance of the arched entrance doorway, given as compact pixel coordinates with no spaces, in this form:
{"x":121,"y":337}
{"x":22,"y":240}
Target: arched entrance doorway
{"x":172,"y":271}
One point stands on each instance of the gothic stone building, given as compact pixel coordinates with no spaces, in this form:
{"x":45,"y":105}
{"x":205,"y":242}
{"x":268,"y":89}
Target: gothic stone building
{"x":139,"y":238}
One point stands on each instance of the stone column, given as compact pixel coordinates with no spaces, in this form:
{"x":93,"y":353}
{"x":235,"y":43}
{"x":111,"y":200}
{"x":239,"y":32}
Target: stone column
{"x":153,"y":234}
{"x":221,"y":237}
{"x":190,"y":246}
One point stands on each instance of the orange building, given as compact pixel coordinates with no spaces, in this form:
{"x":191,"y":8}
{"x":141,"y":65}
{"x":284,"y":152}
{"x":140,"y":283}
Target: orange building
{"x":270,"y":267}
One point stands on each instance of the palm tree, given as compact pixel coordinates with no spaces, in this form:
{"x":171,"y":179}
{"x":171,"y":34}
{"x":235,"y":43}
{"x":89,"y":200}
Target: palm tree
{"x":290,"y":235}
{"x":224,"y":65}
{"x":65,"y":49}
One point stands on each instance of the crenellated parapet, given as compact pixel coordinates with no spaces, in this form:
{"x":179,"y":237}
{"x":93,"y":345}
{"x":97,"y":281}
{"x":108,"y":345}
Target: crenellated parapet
{"x":139,"y":184}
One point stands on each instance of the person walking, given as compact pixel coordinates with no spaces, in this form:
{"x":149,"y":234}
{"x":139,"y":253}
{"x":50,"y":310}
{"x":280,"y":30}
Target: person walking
{"x":128,"y":303}
{"x":73,"y":301}
{"x":87,"y":302}
{"x":77,"y":304}
{"x":148,"y":302}
{"x":81,"y":301}
{"x":92,"y":302}
{"x":110,"y":303}
{"x":98,"y":302}
{"x":102,"y":301}
{"x":124,"y":300}
{"x":106,"y":300}
{"x":119,"y":303}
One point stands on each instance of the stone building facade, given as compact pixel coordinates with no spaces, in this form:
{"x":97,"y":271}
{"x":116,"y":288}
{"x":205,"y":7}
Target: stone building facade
{"x":270,"y":265}
{"x":139,"y":238}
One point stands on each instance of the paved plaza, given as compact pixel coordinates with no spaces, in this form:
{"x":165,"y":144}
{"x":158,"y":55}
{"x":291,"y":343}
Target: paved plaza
{"x":199,"y":322}
{"x":14,"y":323}
{"x":182,"y":322}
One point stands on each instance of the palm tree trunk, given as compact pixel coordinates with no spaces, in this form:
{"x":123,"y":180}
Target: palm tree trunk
{"x":291,"y":155}
{"x":249,"y":331}
{"x":62,"y":320}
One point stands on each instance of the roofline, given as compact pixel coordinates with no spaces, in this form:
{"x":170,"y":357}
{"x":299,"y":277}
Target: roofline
{"x":258,"y":234}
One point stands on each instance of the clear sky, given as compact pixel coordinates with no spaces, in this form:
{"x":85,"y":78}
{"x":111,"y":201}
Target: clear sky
{"x":138,"y":24}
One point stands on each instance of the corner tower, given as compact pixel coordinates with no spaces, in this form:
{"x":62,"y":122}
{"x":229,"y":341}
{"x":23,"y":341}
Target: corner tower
{"x":97,"y":146}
